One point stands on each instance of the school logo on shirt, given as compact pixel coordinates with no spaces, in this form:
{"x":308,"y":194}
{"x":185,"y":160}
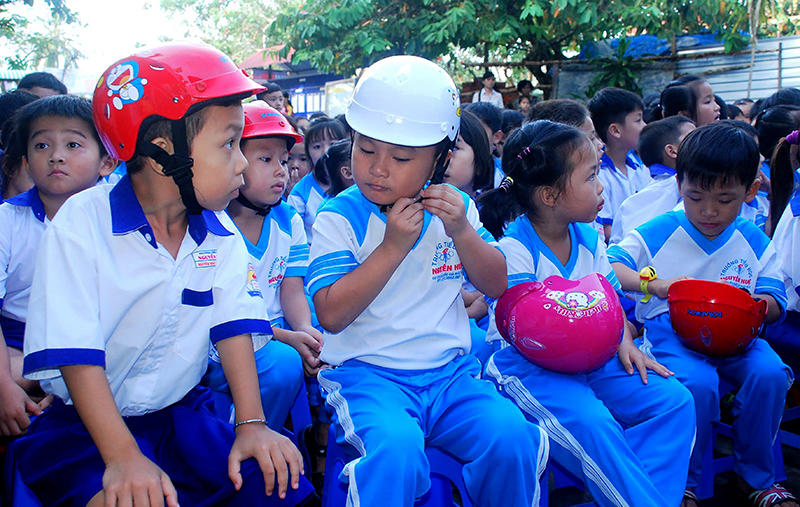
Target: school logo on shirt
{"x":576,"y":304}
{"x":444,"y":265}
{"x":252,"y":281}
{"x":205,"y":258}
{"x":737,"y":273}
{"x":276,"y":271}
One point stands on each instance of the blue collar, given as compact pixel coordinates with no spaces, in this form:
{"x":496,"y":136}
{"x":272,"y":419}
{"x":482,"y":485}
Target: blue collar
{"x":794,"y":202}
{"x":30,"y":198}
{"x":630,"y":160}
{"x":127,"y":216}
{"x":535,"y":244}
{"x":657,"y":169}
{"x":709,"y":246}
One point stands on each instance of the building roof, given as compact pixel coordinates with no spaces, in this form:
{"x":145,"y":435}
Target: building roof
{"x":265,"y":57}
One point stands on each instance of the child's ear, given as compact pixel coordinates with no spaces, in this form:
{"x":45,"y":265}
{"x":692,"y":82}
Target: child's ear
{"x":107,"y":166}
{"x":346,"y":172}
{"x":753,"y":190}
{"x":614,"y":130}
{"x":671,"y":151}
{"x":548,"y":196}
{"x":25,"y":165}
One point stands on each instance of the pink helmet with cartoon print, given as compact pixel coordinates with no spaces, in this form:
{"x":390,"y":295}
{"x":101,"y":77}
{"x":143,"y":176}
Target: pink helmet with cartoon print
{"x":567,"y":326}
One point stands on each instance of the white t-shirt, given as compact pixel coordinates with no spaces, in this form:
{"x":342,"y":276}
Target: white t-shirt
{"x":785,"y":239}
{"x":617,"y":187}
{"x":306,"y":197}
{"x":495,"y":98}
{"x":418,"y":320}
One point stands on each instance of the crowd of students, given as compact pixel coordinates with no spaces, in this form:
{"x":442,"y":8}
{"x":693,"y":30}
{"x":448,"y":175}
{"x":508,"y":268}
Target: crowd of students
{"x":179,"y":265}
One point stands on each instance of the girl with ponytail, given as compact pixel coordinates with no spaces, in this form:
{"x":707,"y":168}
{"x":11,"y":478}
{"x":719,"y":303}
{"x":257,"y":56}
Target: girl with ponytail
{"x":689,"y":96}
{"x":549,"y":194}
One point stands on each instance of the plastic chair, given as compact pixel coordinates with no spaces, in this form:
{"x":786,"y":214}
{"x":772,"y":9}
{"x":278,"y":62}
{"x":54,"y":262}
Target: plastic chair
{"x":713,"y":466}
{"x":445,"y":473}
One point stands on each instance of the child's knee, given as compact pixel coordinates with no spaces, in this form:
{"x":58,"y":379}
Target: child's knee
{"x":772,"y":378}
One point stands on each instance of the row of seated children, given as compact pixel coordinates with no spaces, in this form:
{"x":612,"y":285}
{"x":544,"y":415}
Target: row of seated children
{"x":554,"y":199}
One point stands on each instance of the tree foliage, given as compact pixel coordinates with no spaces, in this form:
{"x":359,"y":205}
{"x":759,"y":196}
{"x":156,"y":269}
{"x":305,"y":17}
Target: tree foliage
{"x":41,"y":42}
{"x":10,"y":22}
{"x":343,"y":35}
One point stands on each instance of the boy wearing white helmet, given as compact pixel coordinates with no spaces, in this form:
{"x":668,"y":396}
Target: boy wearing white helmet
{"x":397,"y":249}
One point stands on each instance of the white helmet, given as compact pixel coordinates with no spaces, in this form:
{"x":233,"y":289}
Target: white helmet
{"x":405,"y":100}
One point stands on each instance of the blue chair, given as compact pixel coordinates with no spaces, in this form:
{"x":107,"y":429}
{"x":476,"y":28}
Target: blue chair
{"x":713,"y":466}
{"x":445,"y":473}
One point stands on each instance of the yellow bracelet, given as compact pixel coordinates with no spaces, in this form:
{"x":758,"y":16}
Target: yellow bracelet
{"x":646,"y":275}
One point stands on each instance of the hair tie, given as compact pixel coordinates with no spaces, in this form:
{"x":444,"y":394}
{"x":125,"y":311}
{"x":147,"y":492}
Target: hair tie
{"x":793,"y":138}
{"x":506,"y":183}
{"x":524,"y":152}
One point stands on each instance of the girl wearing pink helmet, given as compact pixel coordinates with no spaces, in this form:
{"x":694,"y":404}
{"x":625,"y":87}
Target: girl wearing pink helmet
{"x":629,"y":437}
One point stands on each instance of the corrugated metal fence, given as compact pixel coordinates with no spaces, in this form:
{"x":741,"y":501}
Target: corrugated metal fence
{"x":777,"y":65}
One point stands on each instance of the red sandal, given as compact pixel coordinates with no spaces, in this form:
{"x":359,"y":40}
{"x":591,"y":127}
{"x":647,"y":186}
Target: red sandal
{"x":775,"y":495}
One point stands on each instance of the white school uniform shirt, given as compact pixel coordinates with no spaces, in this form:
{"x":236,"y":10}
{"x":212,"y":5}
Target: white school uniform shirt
{"x":306,"y":197}
{"x":663,"y":196}
{"x":495,"y":98}
{"x":418,"y":320}
{"x":529,"y":259}
{"x":22,"y":224}
{"x":742,"y":256}
{"x":281,"y":252}
{"x":787,"y":243}
{"x":106,"y":293}
{"x":617,"y":186}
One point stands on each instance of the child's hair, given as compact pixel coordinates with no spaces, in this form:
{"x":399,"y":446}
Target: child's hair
{"x":10,"y":103}
{"x":650,"y":102}
{"x":473,"y":134}
{"x":270,"y":88}
{"x":488,"y":113}
{"x":679,"y":95}
{"x":724,"y":114}
{"x":511,"y":119}
{"x":778,"y":122}
{"x":733,"y":111}
{"x":721,"y":153}
{"x":348,"y":129}
{"x":320,"y":128}
{"x":655,"y":136}
{"x":773,"y":124}
{"x":42,"y":80}
{"x":62,"y":106}
{"x":337,"y":156}
{"x":566,"y":111}
{"x":612,"y":105}
{"x":535,"y":155}
{"x":158,"y":127}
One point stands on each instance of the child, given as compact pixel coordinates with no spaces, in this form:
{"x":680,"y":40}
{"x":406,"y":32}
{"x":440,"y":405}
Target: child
{"x":273,"y":233}
{"x":60,"y":150}
{"x":13,"y":180}
{"x":716,"y":171}
{"x":42,"y":84}
{"x":337,"y":166}
{"x":658,"y":147}
{"x":492,"y":119}
{"x":120,"y":334}
{"x":772,"y":125}
{"x":403,"y":378}
{"x":663,"y":196}
{"x":273,"y":95}
{"x":569,"y":112}
{"x":312,"y":189}
{"x":617,"y":116}
{"x":471,"y":166}
{"x":298,"y":166}
{"x":690,"y":96}
{"x":552,"y":176}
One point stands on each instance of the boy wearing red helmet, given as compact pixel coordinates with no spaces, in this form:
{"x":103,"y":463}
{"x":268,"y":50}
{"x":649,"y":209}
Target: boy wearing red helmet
{"x":120,"y":332}
{"x":716,"y":170}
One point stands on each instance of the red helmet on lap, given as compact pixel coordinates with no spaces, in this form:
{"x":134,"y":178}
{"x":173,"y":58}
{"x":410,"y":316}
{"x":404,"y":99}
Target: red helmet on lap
{"x":714,"y":318}
{"x":568,"y":326}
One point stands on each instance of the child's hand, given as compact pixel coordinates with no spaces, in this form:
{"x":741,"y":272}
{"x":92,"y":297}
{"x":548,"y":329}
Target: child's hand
{"x":660,"y":287}
{"x":630,"y":356}
{"x":403,"y":225}
{"x":137,"y":481}
{"x":15,"y":405}
{"x":447,"y":203}
{"x":308,"y":343}
{"x":278,"y":458}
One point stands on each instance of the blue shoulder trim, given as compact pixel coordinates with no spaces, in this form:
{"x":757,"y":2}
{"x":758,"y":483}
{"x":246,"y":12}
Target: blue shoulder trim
{"x":657,"y":231}
{"x":754,"y":236}
{"x":794,"y":202}
{"x":282,"y":213}
{"x":303,"y":187}
{"x":586,"y":236}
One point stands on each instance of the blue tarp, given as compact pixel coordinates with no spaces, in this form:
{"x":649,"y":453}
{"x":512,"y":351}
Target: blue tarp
{"x":649,"y":45}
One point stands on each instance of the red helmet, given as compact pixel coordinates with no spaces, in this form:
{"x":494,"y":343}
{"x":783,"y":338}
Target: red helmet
{"x":563,"y":325}
{"x":164,"y":81}
{"x":714,"y":318}
{"x":261,"y":119}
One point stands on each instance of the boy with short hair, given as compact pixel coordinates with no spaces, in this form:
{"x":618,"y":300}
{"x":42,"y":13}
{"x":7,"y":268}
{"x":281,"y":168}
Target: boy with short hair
{"x":59,"y":148}
{"x":387,"y":265}
{"x":273,"y":96}
{"x":42,"y":84}
{"x":716,"y":171}
{"x":132,"y":285}
{"x":617,"y":117}
{"x":491,"y":117}
{"x":658,"y":147}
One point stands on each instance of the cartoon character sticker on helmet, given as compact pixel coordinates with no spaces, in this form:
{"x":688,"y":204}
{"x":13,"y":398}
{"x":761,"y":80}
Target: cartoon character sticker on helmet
{"x":124,"y":84}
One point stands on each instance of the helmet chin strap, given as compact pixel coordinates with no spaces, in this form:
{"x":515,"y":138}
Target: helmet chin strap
{"x":177,"y":165}
{"x":437,"y":177}
{"x":260,"y":211}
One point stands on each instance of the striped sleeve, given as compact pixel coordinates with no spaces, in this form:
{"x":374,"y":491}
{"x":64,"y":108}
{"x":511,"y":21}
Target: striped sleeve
{"x":298,"y":250}
{"x":770,"y":281}
{"x":333,"y":252}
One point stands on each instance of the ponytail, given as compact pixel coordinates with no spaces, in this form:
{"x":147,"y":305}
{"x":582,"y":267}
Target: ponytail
{"x":782,"y":180}
{"x":535,"y":155}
